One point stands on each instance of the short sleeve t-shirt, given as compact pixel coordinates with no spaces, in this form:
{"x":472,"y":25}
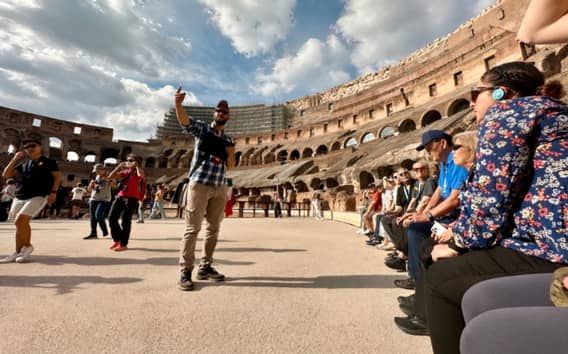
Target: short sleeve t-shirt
{"x":130,"y":184}
{"x":78,"y":193}
{"x":452,"y":176}
{"x":378,"y":201}
{"x":101,"y":190}
{"x":36,"y":178}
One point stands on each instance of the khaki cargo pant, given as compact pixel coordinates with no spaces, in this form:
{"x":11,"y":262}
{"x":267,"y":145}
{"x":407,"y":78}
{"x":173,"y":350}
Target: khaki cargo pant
{"x":207,"y":202}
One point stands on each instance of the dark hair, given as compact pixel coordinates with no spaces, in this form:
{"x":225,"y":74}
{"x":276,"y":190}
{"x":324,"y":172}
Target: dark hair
{"x":137,"y":158}
{"x":523,"y":78}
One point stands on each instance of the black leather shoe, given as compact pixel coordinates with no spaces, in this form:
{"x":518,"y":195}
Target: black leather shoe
{"x":90,"y":237}
{"x":407,"y":310}
{"x":407,"y":283}
{"x":396,"y":264}
{"x":372,"y":242}
{"x":406,"y":300}
{"x":185,"y":282}
{"x":391,"y":256}
{"x":412,"y":325}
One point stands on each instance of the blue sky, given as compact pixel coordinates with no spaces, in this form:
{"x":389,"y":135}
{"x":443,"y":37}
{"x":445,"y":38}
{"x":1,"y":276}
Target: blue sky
{"x":117,"y":63}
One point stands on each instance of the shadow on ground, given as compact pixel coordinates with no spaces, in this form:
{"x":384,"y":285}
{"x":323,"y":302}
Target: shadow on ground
{"x":63,"y":284}
{"x":106,"y":261}
{"x":320,"y":282}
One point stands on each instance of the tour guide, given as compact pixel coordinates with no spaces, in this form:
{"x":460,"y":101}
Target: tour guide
{"x":39,"y":178}
{"x":206,"y":192}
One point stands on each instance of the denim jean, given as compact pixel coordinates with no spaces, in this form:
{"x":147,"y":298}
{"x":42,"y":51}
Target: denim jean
{"x":97,"y":210}
{"x":377,"y":234}
{"x":158,"y":206}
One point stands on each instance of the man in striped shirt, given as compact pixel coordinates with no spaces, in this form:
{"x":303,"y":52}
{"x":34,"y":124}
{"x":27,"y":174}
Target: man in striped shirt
{"x":206,"y":193}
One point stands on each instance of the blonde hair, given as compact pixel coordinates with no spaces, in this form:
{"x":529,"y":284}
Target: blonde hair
{"x":469,"y":141}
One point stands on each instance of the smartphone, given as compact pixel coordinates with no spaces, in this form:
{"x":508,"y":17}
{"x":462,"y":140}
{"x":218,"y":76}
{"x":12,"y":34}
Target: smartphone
{"x":438,"y":228}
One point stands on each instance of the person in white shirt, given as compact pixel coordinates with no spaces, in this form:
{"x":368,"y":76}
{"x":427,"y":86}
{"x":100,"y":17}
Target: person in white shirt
{"x":77,"y":194}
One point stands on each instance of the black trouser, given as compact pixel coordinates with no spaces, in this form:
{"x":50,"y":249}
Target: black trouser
{"x":396,"y":232}
{"x":122,"y":208}
{"x":277,"y":210}
{"x":446,"y":281}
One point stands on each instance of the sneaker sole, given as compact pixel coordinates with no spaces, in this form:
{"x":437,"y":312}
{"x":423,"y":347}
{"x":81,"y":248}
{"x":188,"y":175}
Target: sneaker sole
{"x":208,"y":278}
{"x":185,"y":288}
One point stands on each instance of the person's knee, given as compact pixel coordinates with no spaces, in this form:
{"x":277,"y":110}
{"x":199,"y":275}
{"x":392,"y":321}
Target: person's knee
{"x":22,"y":221}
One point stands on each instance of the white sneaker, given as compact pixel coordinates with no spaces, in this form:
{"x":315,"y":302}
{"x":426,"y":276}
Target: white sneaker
{"x":11,"y":258}
{"x":25,"y":254}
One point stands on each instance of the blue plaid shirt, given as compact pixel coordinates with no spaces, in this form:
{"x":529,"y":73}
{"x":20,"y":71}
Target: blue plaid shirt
{"x":205,"y":169}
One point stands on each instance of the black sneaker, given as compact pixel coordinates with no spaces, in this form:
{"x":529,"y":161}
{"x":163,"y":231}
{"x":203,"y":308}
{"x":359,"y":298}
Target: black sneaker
{"x":210,"y":273}
{"x":90,"y":237}
{"x":407,"y":283}
{"x":185,"y":282}
{"x":412,"y":325}
{"x":396,"y":264}
{"x":406,"y":300}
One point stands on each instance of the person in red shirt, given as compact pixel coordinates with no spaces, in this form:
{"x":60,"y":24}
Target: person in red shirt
{"x":375,"y":206}
{"x":131,"y":192}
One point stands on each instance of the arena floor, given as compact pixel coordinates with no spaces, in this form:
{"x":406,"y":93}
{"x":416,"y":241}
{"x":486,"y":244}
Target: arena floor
{"x":294,"y":286}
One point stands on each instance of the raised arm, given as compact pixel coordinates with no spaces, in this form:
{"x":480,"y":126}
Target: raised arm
{"x":10,"y":170}
{"x":546,"y":21}
{"x":181,"y":114}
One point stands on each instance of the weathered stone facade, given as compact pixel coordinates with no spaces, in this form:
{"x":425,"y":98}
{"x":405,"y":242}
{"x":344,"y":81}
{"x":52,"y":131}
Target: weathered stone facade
{"x":337,"y":141}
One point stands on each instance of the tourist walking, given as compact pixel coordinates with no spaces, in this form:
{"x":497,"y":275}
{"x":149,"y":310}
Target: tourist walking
{"x":39,"y":178}
{"x":77,"y":195}
{"x":131,"y":191}
{"x":316,"y":206}
{"x":99,"y":201}
{"x":158,"y":206}
{"x":206,"y":191}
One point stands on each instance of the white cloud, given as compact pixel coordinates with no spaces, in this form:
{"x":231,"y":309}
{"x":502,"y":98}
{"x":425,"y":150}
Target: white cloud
{"x":88,"y":61}
{"x":382,"y":31}
{"x":254,"y":27}
{"x":315,"y":66}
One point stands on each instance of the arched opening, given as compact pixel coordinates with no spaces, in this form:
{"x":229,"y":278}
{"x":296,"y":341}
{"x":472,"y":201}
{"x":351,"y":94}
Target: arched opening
{"x":269,"y":158}
{"x":72,"y":156}
{"x":386,"y":132}
{"x":336,"y":146}
{"x":109,"y":161}
{"x":294,"y":155}
{"x":331,"y":183}
{"x":321,"y":150}
{"x":90,"y":157}
{"x":125,"y":151}
{"x":150,"y":162}
{"x":430,"y":117}
{"x":55,"y":148}
{"x":351,"y":142}
{"x":307,"y":153}
{"x":301,"y":187}
{"x":238,"y":158}
{"x":368,"y":137}
{"x":55,"y":142}
{"x":176,"y":159}
{"x":406,"y":126}
{"x":168,"y":152}
{"x":315,"y":183}
{"x":282,"y":155}
{"x":365,"y":179}
{"x":12,"y":149}
{"x":457,"y":106}
{"x":163,"y":162}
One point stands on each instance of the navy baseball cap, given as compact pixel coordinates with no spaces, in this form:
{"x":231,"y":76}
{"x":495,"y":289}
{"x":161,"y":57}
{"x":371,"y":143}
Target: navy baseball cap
{"x":430,"y":135}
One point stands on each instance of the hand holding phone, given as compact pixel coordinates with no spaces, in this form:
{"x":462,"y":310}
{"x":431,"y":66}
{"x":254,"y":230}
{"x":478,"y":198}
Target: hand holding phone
{"x":179,"y":96}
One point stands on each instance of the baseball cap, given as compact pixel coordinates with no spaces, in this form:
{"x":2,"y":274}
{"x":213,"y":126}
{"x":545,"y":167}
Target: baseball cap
{"x":223,"y":106}
{"x":98,"y":166}
{"x":431,"y":135}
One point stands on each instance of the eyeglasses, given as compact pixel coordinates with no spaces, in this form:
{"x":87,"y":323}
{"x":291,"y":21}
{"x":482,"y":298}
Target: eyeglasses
{"x":30,"y":146}
{"x":476,"y":91}
{"x":130,"y":160}
{"x":421,"y":168}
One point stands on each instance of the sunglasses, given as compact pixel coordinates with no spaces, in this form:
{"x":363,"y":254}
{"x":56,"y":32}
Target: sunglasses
{"x":30,"y":146}
{"x":130,"y":160}
{"x":476,"y":91}
{"x":457,"y":147}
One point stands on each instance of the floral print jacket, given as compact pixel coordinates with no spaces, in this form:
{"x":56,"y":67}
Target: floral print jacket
{"x":518,"y":197}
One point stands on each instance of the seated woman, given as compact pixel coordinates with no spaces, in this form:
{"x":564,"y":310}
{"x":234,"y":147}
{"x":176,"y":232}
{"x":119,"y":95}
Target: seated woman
{"x":512,"y":213}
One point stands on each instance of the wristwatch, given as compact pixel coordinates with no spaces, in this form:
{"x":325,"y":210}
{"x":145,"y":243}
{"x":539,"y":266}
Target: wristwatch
{"x":430,"y":216}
